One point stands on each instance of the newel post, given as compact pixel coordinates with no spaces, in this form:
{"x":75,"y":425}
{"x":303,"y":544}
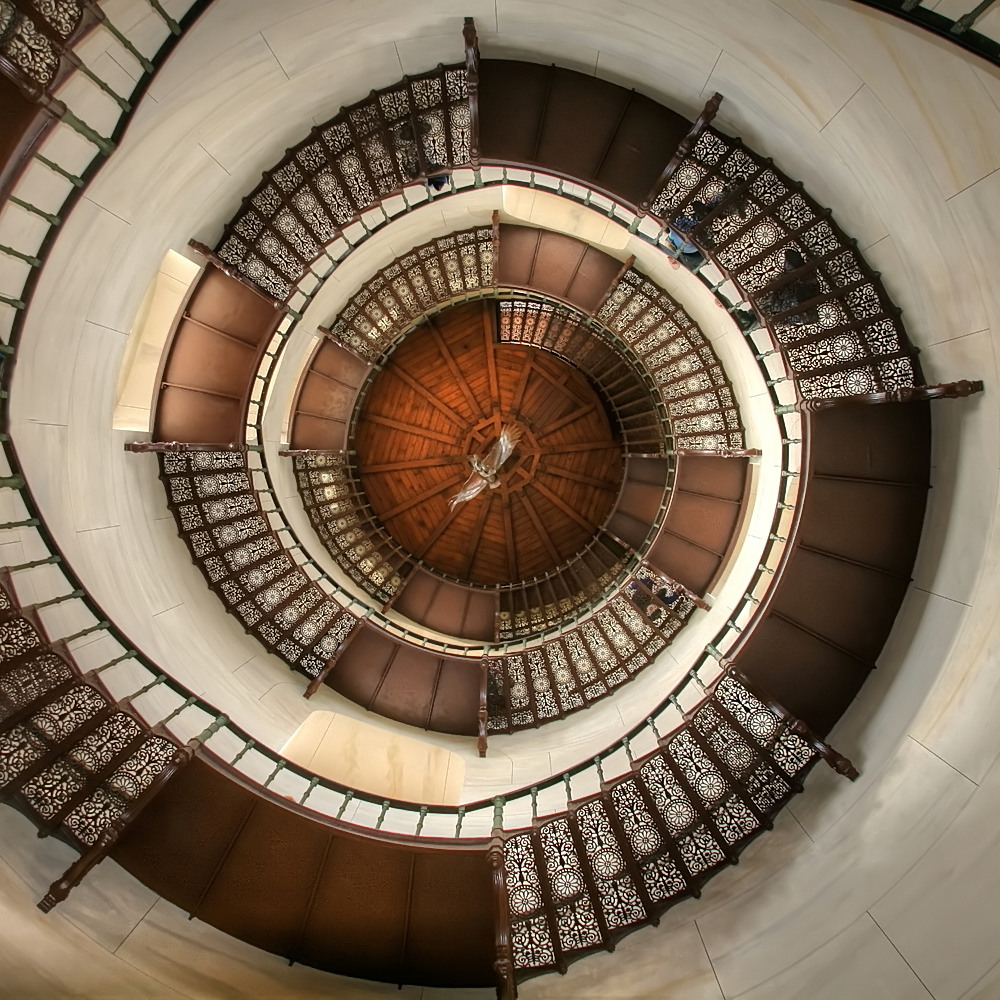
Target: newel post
{"x":484,"y":712}
{"x":471,"y":40}
{"x":503,"y":964}
{"x":837,"y":761}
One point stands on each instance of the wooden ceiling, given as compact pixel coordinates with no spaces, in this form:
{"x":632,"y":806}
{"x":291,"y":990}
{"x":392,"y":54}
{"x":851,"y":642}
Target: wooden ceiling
{"x":444,"y":396}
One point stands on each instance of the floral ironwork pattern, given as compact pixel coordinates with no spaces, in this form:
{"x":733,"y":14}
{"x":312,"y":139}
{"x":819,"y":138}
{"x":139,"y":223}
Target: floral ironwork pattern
{"x":421,"y":127}
{"x":698,"y":397}
{"x":581,"y":665}
{"x":26,"y":48}
{"x":357,"y":541}
{"x":403,"y":292}
{"x":219,"y":516}
{"x":838,"y":330}
{"x":614,"y":861}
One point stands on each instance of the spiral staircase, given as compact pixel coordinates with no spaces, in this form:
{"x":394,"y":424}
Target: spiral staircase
{"x":526,"y":887}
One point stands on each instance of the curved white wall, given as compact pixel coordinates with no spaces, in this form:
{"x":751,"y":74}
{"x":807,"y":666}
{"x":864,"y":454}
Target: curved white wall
{"x":883,"y":888}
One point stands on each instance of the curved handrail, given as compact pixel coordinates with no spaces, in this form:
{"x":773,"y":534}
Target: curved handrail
{"x":672,"y":709}
{"x":531,"y":179}
{"x":588,"y":197}
{"x":195,"y":712}
{"x":959,"y":30}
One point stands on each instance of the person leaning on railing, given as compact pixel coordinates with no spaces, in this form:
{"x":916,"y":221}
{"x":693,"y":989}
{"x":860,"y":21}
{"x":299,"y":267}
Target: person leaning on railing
{"x":792,"y":293}
{"x":733,"y":204}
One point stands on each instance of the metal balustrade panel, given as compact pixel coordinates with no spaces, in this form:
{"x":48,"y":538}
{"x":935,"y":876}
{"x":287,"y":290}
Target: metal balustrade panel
{"x":839,"y":332}
{"x":615,"y":861}
{"x":419,"y":127}
{"x":209,"y":493}
{"x":69,"y":758}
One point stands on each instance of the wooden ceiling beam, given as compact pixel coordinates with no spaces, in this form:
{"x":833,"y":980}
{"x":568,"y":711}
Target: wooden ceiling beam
{"x":570,"y":418}
{"x":579,"y":477}
{"x":509,"y":533}
{"x":405,"y":465}
{"x":544,"y":534}
{"x":489,"y":334}
{"x":443,"y":526}
{"x":561,"y":384}
{"x":522,"y":385}
{"x":457,"y":374}
{"x":427,"y":395}
{"x":410,"y":428}
{"x":567,"y":449}
{"x":477,"y":534}
{"x":558,"y":501}
{"x":423,"y":496}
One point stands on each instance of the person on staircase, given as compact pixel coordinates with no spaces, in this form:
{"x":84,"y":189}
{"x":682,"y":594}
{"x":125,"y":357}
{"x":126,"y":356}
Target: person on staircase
{"x":792,"y":292}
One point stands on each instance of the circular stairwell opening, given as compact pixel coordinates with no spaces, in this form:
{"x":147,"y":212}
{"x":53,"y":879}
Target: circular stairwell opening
{"x":444,"y":397}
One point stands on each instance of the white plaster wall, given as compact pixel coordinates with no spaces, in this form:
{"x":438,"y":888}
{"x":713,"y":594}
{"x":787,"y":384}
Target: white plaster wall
{"x":883,"y":888}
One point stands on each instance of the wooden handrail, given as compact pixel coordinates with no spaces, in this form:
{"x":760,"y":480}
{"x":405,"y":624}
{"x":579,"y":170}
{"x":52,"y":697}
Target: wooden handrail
{"x":902,"y":394}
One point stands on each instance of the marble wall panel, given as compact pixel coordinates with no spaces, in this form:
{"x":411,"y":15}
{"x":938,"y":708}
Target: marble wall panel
{"x":196,"y":960}
{"x":965,"y":463}
{"x":856,"y":861}
{"x":860,"y":961}
{"x":952,"y":124}
{"x":941,"y":915}
{"x":649,"y":964}
{"x":935,"y":284}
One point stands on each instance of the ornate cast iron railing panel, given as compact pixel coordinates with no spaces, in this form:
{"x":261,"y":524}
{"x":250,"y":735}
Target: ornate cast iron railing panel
{"x":680,"y":361}
{"x":219,"y":516}
{"x":577,"y":881}
{"x":31,"y":56}
{"x":417,"y":283}
{"x":247,"y":565}
{"x":824,"y":305}
{"x":420,"y":127}
{"x":580,"y":666}
{"x":71,"y":758}
{"x":346,"y":526}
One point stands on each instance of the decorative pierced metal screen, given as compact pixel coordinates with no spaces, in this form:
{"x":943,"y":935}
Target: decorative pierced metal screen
{"x":580,"y":666}
{"x":839,"y":331}
{"x":219,"y":517}
{"x":416,"y":128}
{"x":413,"y":285}
{"x":360,"y":545}
{"x":67,"y":753}
{"x":694,"y":388}
{"x":618,"y":860}
{"x":26,"y":48}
